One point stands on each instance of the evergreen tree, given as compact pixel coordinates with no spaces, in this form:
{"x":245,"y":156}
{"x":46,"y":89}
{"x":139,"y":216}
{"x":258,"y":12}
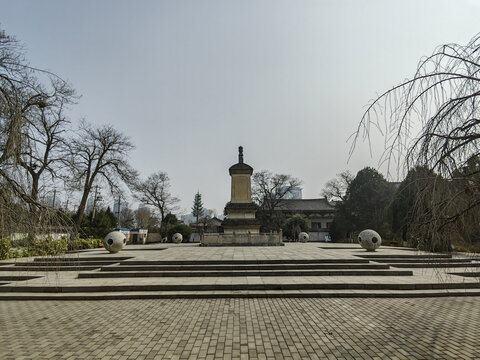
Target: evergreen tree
{"x":197,"y":209}
{"x":365,"y":204}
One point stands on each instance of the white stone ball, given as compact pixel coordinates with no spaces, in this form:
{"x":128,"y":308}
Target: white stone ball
{"x":369,"y":240}
{"x":303,"y":237}
{"x":114,"y":241}
{"x":177,"y":238}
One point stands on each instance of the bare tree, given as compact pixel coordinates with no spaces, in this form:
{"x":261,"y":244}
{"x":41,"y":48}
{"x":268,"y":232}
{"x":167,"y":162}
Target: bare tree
{"x":127,"y":217}
{"x":145,"y":219}
{"x":22,"y":98}
{"x":44,"y":138}
{"x":97,"y":154}
{"x":21,"y":93}
{"x":442,"y":100}
{"x":270,"y":189}
{"x":335,"y":189}
{"x":155,"y":191}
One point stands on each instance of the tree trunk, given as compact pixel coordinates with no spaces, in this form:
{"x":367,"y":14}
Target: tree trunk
{"x":81,"y":209}
{"x":34,"y":192}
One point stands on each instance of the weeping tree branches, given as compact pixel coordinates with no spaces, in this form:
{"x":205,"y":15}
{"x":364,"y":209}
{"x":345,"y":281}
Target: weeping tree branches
{"x":433,"y":120}
{"x":31,"y":121}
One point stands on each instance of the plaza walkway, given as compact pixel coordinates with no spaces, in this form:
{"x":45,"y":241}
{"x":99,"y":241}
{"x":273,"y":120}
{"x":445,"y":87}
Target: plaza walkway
{"x":427,"y":328}
{"x":300,"y":301}
{"x":190,"y":271}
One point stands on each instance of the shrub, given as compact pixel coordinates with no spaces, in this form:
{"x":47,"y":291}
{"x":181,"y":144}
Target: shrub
{"x":5,"y":246}
{"x":294,"y":226}
{"x":89,"y":243}
{"x":46,"y":247}
{"x":183,"y":229}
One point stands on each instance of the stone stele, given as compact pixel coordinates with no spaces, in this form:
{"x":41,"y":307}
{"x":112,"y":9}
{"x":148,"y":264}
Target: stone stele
{"x":240,"y":225}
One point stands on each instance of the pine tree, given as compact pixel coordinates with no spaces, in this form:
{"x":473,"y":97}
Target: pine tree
{"x":197,"y":209}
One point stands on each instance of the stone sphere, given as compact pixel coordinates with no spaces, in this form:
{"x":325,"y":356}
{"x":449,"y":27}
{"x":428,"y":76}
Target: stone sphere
{"x":369,"y":240}
{"x":114,"y":241}
{"x":177,"y":238}
{"x":303,"y":237}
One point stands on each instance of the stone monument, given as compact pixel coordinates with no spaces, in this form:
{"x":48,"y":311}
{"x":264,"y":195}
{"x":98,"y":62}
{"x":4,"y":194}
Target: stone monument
{"x":240,"y":225}
{"x":240,"y":211}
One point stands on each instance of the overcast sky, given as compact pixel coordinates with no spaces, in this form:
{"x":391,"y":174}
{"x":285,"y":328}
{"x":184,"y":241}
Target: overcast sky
{"x":190,"y":81}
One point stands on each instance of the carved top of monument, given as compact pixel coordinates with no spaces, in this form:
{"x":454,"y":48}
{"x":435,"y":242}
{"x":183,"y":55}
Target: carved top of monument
{"x":240,"y":167}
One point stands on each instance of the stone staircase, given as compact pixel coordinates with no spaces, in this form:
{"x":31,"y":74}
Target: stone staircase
{"x":138,"y":275}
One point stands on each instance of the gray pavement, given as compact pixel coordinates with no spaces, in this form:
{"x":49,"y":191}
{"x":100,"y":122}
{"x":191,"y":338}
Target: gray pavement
{"x":431,"y":328}
{"x":293,"y":325}
{"x":240,"y":283}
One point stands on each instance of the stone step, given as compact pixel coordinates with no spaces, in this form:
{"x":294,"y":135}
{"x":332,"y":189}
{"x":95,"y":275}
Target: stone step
{"x":73,"y":262}
{"x":240,"y":294}
{"x":17,"y":277}
{"x":127,"y":267}
{"x":236,"y":287}
{"x":106,"y":257}
{"x":407,"y":256}
{"x":245,"y":262}
{"x":421,"y":261}
{"x":433,"y":265}
{"x":48,"y":268}
{"x":467,"y":274}
{"x":131,"y":274}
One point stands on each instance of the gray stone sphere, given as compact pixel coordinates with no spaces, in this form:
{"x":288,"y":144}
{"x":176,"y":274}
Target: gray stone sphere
{"x":303,"y":237}
{"x":114,"y":241}
{"x":177,"y":238}
{"x":369,"y":240}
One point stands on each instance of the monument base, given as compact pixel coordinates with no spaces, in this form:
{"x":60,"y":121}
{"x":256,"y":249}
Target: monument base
{"x":241,"y":240}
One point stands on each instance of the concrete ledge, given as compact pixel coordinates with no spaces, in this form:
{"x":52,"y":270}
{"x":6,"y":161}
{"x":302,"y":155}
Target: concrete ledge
{"x":243,"y":294}
{"x":236,"y":287}
{"x":245,"y":262}
{"x":189,"y":274}
{"x":48,"y":268}
{"x":236,"y":267}
{"x":241,"y":240}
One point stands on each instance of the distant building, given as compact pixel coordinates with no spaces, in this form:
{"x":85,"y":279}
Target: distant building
{"x":123,"y":205}
{"x":191,"y":219}
{"x":89,"y":205}
{"x":293,"y":193}
{"x":319,"y":212}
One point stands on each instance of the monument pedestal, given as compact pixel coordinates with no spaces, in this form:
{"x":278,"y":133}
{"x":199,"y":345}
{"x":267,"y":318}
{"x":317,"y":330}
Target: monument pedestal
{"x":240,"y":225}
{"x":274,"y":239}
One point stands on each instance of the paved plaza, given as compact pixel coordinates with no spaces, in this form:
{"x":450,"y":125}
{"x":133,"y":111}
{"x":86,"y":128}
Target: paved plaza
{"x":187,"y":270}
{"x":427,"y":328}
{"x":299,"y":301}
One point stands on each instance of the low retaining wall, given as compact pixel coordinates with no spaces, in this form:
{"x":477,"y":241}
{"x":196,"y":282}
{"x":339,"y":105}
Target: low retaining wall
{"x":241,"y":240}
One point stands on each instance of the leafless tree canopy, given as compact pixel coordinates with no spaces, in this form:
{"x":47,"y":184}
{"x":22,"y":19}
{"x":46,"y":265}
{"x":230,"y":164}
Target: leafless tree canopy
{"x":269,"y":189}
{"x":27,"y":104}
{"x":97,"y":154}
{"x":336,"y":188}
{"x":433,"y":120}
{"x":155,"y":191}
